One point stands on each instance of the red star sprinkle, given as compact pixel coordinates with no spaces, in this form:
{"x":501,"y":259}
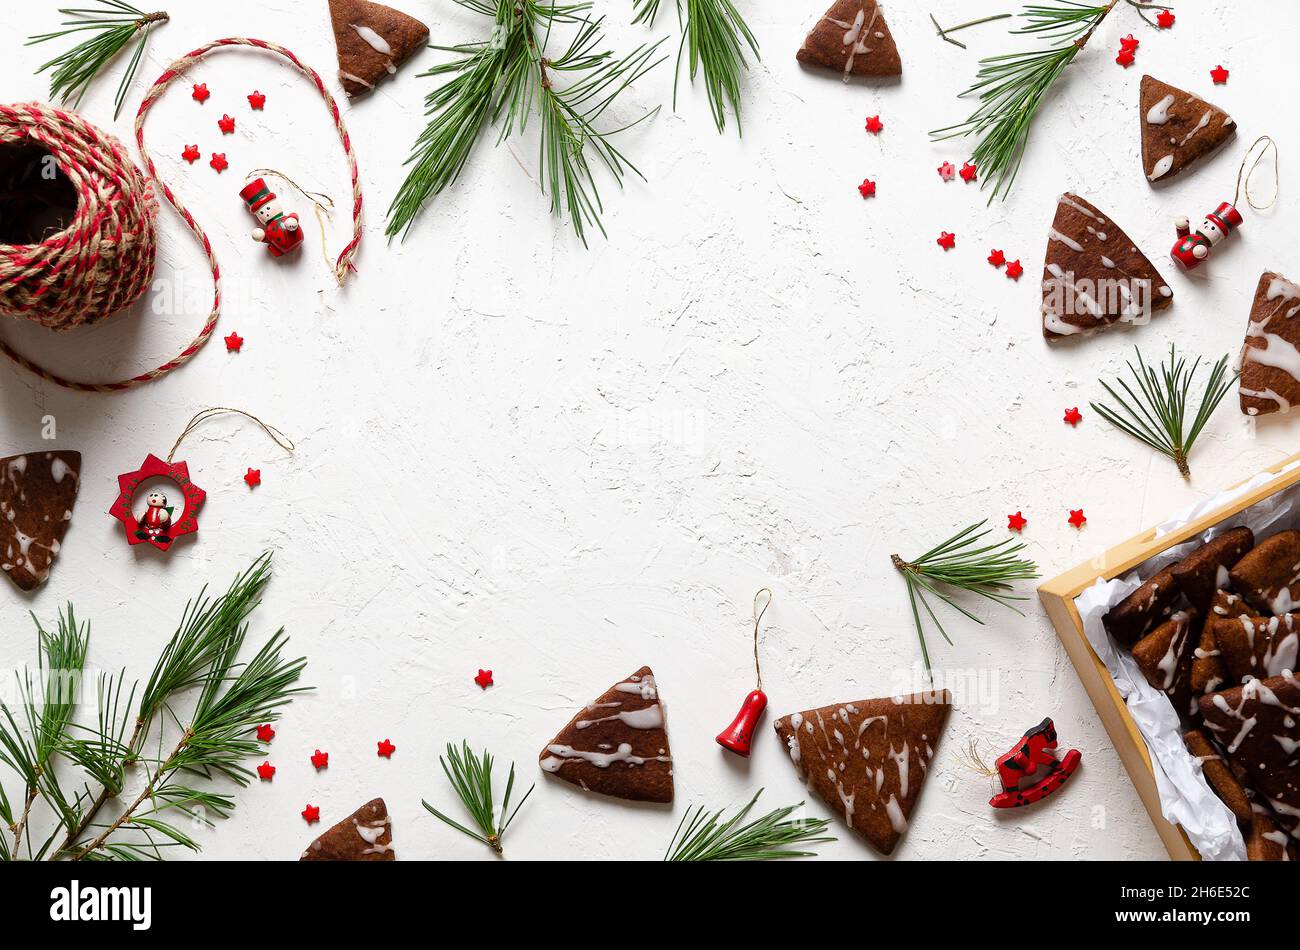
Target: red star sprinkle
{"x":1073,"y":416}
{"x":227,"y":124}
{"x":1164,"y":19}
{"x":484,"y":679}
{"x":1125,"y":58}
{"x":1129,"y":42}
{"x":266,"y":771}
{"x":200,"y":93}
{"x":233,"y":342}
{"x":320,"y":760}
{"x":253,"y":477}
{"x":967,"y":171}
{"x":386,"y":749}
{"x":1219,"y":75}
{"x":997,"y":258}
{"x":219,"y":161}
{"x":311,"y":814}
{"x":874,"y":125}
{"x":867,"y":189}
{"x":191,"y":154}
{"x":1076,"y":518}
{"x":265,"y":733}
{"x":1016,"y":522}
{"x":946,"y":240}
{"x":256,"y":100}
{"x":1014,"y":270}
{"x":946,"y":171}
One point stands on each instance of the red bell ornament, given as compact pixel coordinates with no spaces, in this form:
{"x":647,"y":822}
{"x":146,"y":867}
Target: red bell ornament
{"x":739,"y":736}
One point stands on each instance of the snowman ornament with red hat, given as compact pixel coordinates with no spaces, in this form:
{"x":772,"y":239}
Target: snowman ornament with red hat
{"x":1193,"y":248}
{"x":280,"y":232}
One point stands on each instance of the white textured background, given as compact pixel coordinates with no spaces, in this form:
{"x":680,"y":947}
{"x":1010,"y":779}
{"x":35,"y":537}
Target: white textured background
{"x":561,"y":464}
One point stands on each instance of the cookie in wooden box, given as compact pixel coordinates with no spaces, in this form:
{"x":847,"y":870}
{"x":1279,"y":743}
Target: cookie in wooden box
{"x":853,"y":39}
{"x":1270,"y":361}
{"x":1143,"y":610}
{"x":1208,"y":670}
{"x":1205,"y":570}
{"x":1165,"y":658}
{"x":1218,"y":776}
{"x":1178,"y":129}
{"x":1268,"y":576}
{"x":1266,"y":840}
{"x":1258,"y":646}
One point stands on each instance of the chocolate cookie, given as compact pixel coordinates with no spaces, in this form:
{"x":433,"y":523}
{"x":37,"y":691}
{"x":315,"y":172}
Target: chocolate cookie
{"x":1178,"y":129}
{"x":1143,"y":610}
{"x":37,"y":492}
{"x":372,"y":41}
{"x":1268,"y":576}
{"x":1267,"y":841}
{"x":1165,"y":658}
{"x":617,"y":745}
{"x":365,"y":835}
{"x":868,"y":759}
{"x":1208,"y":670}
{"x":852,"y":38}
{"x":1217,"y":774}
{"x":1205,"y":570}
{"x":1270,"y":361}
{"x":1260,"y":646}
{"x":1093,"y":275}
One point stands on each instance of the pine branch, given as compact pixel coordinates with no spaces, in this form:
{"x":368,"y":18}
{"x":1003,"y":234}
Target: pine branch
{"x":703,"y":836}
{"x":1155,"y":413}
{"x":471,"y":779}
{"x":115,"y":25}
{"x":962,"y":564}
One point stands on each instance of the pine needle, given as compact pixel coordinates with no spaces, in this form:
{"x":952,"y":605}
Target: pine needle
{"x":471,"y":779}
{"x":962,"y":564}
{"x":703,"y":836}
{"x":115,"y":25}
{"x":1155,"y":412}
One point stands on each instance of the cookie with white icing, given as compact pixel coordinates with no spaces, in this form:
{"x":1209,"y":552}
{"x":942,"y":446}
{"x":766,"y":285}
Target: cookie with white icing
{"x":1178,"y":129}
{"x":1165,"y":658}
{"x":37,"y":492}
{"x":1266,"y":840}
{"x":868,"y":759}
{"x":365,"y":835}
{"x":853,"y":39}
{"x":1208,"y":670}
{"x":1268,"y":576}
{"x":1093,"y":275}
{"x":1270,"y":358}
{"x":1205,"y":570}
{"x":1217,"y":775}
{"x":372,"y":41}
{"x":617,"y":745}
{"x":1258,"y":646}
{"x":1143,"y":610}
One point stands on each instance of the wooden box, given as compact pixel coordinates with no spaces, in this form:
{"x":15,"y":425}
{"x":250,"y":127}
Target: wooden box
{"x":1058,"y":597}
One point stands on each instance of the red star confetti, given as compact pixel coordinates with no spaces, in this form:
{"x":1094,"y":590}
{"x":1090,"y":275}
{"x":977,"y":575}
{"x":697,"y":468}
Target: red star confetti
{"x":867,"y":189}
{"x":253,"y":477}
{"x":265,"y":733}
{"x":233,"y":342}
{"x":200,"y":93}
{"x":1014,"y":270}
{"x":484,"y":679}
{"x":946,"y":240}
{"x":1016,"y":522}
{"x":1129,"y":42}
{"x":386,"y":749}
{"x":320,"y":760}
{"x":874,"y":125}
{"x":1164,"y":19}
{"x":1125,"y":58}
{"x":967,"y":171}
{"x":1076,"y":518}
{"x":256,"y":100}
{"x":219,"y":161}
{"x":997,"y":258}
{"x":226,"y":124}
{"x":1219,"y":75}
{"x":191,"y":154}
{"x":266,"y":771}
{"x":1073,"y":416}
{"x":946,"y":171}
{"x":311,"y":814}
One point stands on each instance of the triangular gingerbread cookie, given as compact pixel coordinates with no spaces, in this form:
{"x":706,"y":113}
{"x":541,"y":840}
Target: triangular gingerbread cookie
{"x":1178,"y":129}
{"x":372,"y":41}
{"x":853,"y":39}
{"x":365,"y":835}
{"x":617,"y":745}
{"x":868,"y":759}
{"x":1270,"y":361}
{"x":1093,"y":275}
{"x":1208,"y":669}
{"x":37,"y":492}
{"x":1165,"y":658}
{"x":1258,"y":646}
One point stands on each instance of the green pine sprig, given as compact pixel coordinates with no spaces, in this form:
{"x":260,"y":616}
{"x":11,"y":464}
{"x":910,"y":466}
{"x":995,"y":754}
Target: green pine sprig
{"x":704,"y":836}
{"x":963,"y":564}
{"x":509,"y":80}
{"x":471,"y":778}
{"x":1155,"y":409}
{"x":115,"y":25}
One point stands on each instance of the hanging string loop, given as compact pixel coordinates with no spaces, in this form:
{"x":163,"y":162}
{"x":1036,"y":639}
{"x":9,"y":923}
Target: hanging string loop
{"x":278,"y":437}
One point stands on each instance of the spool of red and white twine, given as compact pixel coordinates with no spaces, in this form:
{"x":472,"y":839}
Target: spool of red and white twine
{"x":103,"y":260}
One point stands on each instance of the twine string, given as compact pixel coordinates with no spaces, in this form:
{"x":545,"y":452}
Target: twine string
{"x":1268,"y":143}
{"x":278,"y":437}
{"x":321,"y":204}
{"x":758,"y":617}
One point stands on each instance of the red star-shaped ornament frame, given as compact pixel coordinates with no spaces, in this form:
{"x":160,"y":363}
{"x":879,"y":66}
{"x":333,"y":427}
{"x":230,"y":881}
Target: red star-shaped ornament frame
{"x":128,"y":485}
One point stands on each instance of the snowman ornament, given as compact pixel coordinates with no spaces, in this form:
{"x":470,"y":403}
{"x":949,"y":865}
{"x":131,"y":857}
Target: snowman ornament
{"x":280,"y":232}
{"x":1193,"y":248}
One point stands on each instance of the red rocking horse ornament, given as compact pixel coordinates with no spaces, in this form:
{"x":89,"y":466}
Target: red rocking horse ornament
{"x":1033,"y":758}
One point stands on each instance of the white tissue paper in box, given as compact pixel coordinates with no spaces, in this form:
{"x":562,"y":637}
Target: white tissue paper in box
{"x":1185,"y":798}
